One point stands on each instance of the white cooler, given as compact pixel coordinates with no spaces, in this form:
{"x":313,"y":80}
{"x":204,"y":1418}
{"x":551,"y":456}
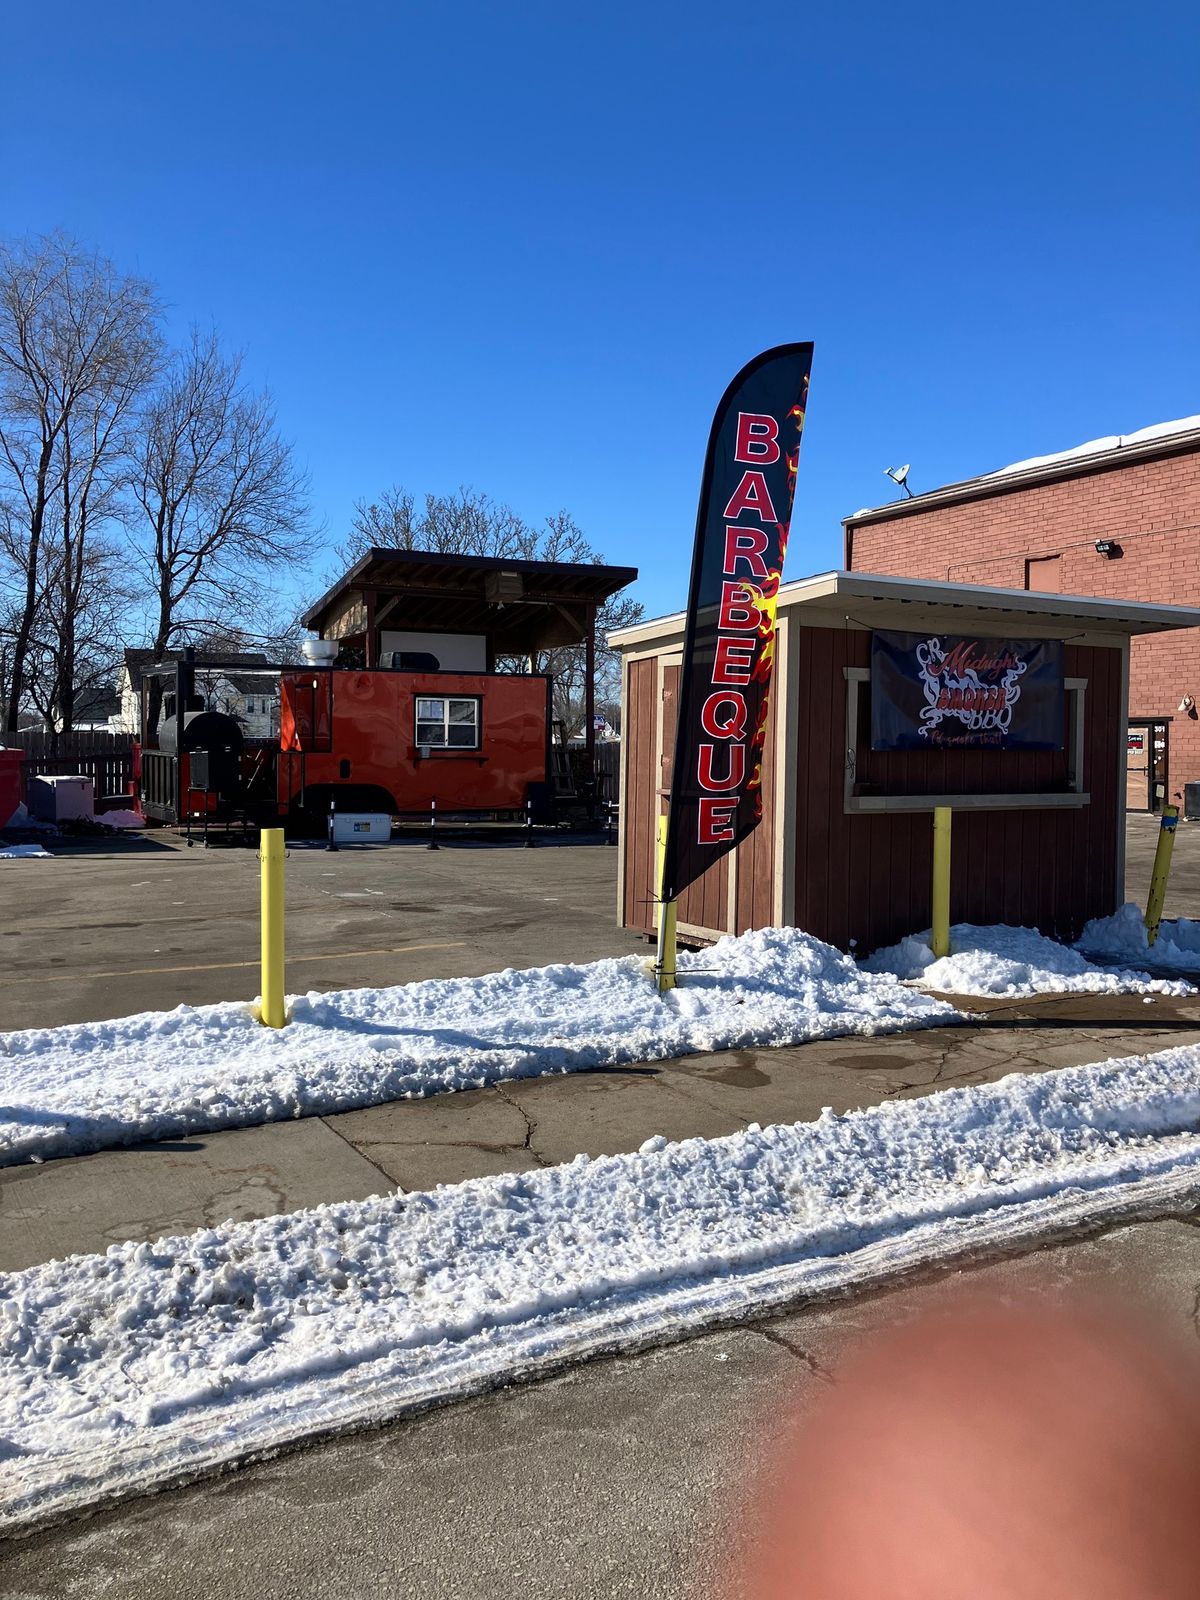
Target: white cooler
{"x":361,"y":827}
{"x":62,"y":799}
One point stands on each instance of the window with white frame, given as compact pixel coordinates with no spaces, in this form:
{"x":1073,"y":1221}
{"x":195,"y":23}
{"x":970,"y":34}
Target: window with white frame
{"x":450,"y":722}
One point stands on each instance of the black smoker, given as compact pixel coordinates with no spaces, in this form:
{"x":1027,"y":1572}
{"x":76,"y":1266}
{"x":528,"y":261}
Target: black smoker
{"x":213,"y":743}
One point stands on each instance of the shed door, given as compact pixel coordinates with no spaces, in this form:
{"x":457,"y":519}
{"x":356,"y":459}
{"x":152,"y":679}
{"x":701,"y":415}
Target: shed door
{"x":739,"y":891}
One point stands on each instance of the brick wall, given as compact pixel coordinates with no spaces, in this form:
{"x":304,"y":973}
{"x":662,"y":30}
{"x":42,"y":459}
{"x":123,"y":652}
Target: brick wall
{"x":1150,"y":508}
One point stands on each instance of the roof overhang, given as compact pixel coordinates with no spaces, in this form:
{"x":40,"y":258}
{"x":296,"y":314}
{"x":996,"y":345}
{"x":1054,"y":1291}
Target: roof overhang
{"x":865,"y":600}
{"x":521,"y":605}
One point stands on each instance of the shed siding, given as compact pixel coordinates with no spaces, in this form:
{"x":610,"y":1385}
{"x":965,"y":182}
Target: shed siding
{"x":866,"y":877}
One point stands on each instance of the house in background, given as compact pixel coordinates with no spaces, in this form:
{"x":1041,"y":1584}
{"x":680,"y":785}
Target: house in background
{"x":94,"y":709}
{"x":1117,"y":518}
{"x":244,"y":686}
{"x":251,"y":698}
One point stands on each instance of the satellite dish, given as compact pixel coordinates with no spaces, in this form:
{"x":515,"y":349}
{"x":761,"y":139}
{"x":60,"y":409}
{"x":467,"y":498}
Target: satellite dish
{"x":899,"y":475}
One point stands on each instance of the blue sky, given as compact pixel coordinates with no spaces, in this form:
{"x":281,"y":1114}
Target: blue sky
{"x":524,"y":247}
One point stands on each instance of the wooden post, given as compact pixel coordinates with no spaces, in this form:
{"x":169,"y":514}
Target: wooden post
{"x":589,"y":709}
{"x":372,"y":651}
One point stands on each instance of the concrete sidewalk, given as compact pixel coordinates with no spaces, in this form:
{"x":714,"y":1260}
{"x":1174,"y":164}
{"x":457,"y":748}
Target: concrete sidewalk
{"x":86,"y":1203}
{"x":622,"y":1478}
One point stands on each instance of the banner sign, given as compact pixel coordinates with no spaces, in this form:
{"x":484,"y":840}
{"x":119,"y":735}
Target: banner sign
{"x":729,"y":643}
{"x":932,"y":691}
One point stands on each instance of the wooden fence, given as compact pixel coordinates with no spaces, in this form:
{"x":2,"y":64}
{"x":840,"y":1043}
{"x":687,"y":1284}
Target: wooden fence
{"x":608,"y":770}
{"x":105,"y":758}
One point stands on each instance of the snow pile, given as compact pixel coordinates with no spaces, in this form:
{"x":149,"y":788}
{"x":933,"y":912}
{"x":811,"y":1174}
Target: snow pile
{"x":124,"y":1369}
{"x":166,"y":1073}
{"x":1122,"y":937}
{"x":21,"y":852}
{"x":120,"y":819}
{"x":1010,"y":962}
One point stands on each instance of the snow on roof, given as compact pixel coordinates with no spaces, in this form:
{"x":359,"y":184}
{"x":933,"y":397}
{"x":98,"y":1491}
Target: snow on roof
{"x":1098,"y":447}
{"x":1094,"y":447}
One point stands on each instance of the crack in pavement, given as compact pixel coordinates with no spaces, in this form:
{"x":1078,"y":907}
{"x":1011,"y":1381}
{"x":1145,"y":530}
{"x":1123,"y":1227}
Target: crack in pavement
{"x":440,"y":1144}
{"x":349,"y":1143}
{"x":1000,"y":1062}
{"x":811,"y":1362}
{"x":530,"y":1125}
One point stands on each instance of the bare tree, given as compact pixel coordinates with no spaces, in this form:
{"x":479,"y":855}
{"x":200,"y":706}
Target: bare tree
{"x":86,"y":592}
{"x":78,"y":342}
{"x":221,"y":508}
{"x":80,"y":631}
{"x":470,"y":523}
{"x":465,"y":523}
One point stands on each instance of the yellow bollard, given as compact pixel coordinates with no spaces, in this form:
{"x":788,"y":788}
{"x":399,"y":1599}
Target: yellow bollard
{"x":273,"y":1014}
{"x":1162,"y":867}
{"x":664,"y":965}
{"x":942,"y":816}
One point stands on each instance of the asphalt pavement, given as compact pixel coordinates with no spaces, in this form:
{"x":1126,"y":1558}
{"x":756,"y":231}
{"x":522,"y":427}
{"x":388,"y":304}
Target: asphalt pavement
{"x":106,"y":928}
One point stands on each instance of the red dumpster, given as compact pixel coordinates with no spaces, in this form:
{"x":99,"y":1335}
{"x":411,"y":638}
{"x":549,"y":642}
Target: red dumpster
{"x":11,"y":788}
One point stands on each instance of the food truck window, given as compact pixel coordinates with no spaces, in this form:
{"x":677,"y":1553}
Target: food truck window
{"x":449,"y":722}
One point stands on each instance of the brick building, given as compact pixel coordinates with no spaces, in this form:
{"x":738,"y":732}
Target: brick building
{"x":1117,"y":518}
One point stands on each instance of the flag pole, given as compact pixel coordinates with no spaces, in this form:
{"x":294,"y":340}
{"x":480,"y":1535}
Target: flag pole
{"x":665,"y":960}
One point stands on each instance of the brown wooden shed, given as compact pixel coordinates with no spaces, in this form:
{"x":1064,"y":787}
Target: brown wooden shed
{"x":844,"y":849}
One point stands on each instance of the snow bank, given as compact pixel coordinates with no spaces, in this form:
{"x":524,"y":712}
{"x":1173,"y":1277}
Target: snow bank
{"x":22,"y":852}
{"x":1122,"y":937}
{"x":1010,"y":962}
{"x":166,"y":1073}
{"x":120,"y":819}
{"x":123,"y":1370}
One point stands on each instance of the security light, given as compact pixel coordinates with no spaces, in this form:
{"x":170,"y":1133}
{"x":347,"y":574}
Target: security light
{"x":1108,"y":548}
{"x":899,"y":475}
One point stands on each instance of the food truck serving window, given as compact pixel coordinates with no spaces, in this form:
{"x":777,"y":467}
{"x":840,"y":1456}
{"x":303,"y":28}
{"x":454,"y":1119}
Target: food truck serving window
{"x":450,"y":722}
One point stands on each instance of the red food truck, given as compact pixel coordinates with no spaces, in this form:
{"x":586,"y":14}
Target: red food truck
{"x":418,"y":690}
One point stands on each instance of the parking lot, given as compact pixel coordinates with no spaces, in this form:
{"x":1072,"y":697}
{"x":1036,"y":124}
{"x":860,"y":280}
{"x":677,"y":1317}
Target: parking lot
{"x":111,"y":927}
{"x":108,"y":928}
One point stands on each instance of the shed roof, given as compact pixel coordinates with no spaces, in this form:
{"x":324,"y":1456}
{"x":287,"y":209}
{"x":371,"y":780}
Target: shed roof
{"x":430,"y":591}
{"x":868,"y":600}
